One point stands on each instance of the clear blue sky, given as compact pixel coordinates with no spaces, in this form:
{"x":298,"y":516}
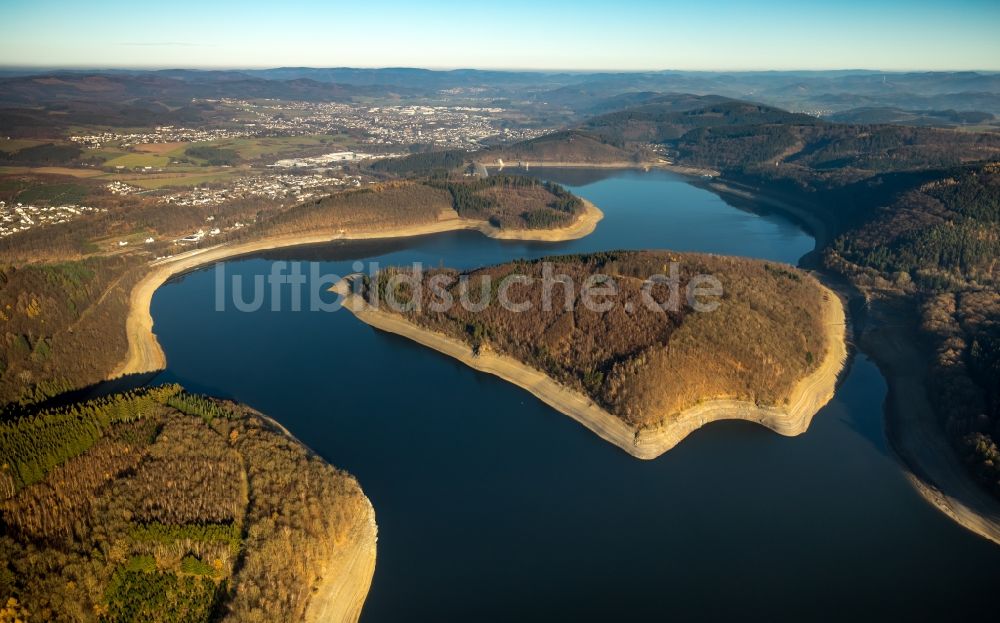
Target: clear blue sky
{"x":584,"y":34}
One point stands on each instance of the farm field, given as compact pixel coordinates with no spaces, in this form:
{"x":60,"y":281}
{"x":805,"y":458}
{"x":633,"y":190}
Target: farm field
{"x":11,"y":145}
{"x":137,"y":159}
{"x":188,"y":178}
{"x":163,"y":149}
{"x":280,"y":146}
{"x":29,"y":191}
{"x":52,"y":171}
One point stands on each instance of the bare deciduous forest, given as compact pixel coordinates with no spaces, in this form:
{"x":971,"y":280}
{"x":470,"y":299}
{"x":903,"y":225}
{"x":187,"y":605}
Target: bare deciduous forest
{"x":63,"y":307}
{"x":939,"y":244}
{"x":511,"y":202}
{"x":639,"y":363}
{"x":162,"y":506}
{"x":62,"y":324}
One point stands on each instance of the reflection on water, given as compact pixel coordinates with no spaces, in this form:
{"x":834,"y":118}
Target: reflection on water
{"x":493,"y":507}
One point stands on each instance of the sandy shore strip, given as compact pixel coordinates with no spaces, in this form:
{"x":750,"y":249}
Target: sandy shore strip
{"x":915,"y":434}
{"x":809,"y":395}
{"x":341,"y":593}
{"x":146,"y":355}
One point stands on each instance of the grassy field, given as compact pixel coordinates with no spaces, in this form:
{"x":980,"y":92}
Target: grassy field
{"x":51,"y":171}
{"x":279,"y":146}
{"x":135,"y":238}
{"x":53,"y":193}
{"x":156,"y":155}
{"x":986,"y":127}
{"x":11,"y":145}
{"x":163,"y":149}
{"x":160,"y":155}
{"x":135,"y":159}
{"x":190,"y":178}
{"x":29,"y":191}
{"x":104,"y":153}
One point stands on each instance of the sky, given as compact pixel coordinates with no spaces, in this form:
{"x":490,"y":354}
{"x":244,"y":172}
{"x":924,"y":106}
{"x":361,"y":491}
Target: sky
{"x":623,"y":35}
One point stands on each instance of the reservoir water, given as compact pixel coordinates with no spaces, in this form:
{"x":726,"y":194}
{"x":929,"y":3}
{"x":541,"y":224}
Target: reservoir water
{"x":491,"y":506}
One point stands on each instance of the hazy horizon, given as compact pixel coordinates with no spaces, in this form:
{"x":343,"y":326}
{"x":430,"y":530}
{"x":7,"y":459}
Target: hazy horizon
{"x":637,"y":36}
{"x":540,"y":70}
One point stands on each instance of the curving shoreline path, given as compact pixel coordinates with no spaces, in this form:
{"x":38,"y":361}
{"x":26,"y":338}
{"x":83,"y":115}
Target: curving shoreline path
{"x":144,"y":351}
{"x":919,"y":445}
{"x":956,"y":495}
{"x":341,"y":593}
{"x":808,"y":396}
{"x":925,"y":454}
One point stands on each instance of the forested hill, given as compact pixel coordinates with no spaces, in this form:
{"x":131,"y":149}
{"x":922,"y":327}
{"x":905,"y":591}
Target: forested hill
{"x":936,"y":250}
{"x":671,"y":117}
{"x":764,"y":338}
{"x":913,"y":214}
{"x":570,"y":146}
{"x":748,"y":138}
{"x":158,"y":505}
{"x":627,"y":135}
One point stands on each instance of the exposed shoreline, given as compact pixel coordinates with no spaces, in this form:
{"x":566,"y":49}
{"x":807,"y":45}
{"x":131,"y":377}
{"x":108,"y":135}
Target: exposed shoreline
{"x":945,"y":487}
{"x":144,"y":351}
{"x":816,"y":226}
{"x":343,"y":589}
{"x":915,"y":436}
{"x":340,"y":595}
{"x":925,"y":454}
{"x":808,"y":396}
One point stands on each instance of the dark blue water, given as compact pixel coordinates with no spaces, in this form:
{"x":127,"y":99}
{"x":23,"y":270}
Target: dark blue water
{"x":493,"y":507}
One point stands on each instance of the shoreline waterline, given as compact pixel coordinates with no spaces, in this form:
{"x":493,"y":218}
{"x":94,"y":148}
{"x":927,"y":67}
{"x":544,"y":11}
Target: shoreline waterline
{"x":885,"y":413}
{"x":842,"y":471}
{"x":808,"y":396}
{"x":341,"y":592}
{"x":144,"y":351}
{"x":343,"y":589}
{"x":919,"y":445}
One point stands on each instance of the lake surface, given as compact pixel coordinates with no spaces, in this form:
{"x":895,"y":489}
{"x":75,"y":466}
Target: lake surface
{"x":492,"y":506}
